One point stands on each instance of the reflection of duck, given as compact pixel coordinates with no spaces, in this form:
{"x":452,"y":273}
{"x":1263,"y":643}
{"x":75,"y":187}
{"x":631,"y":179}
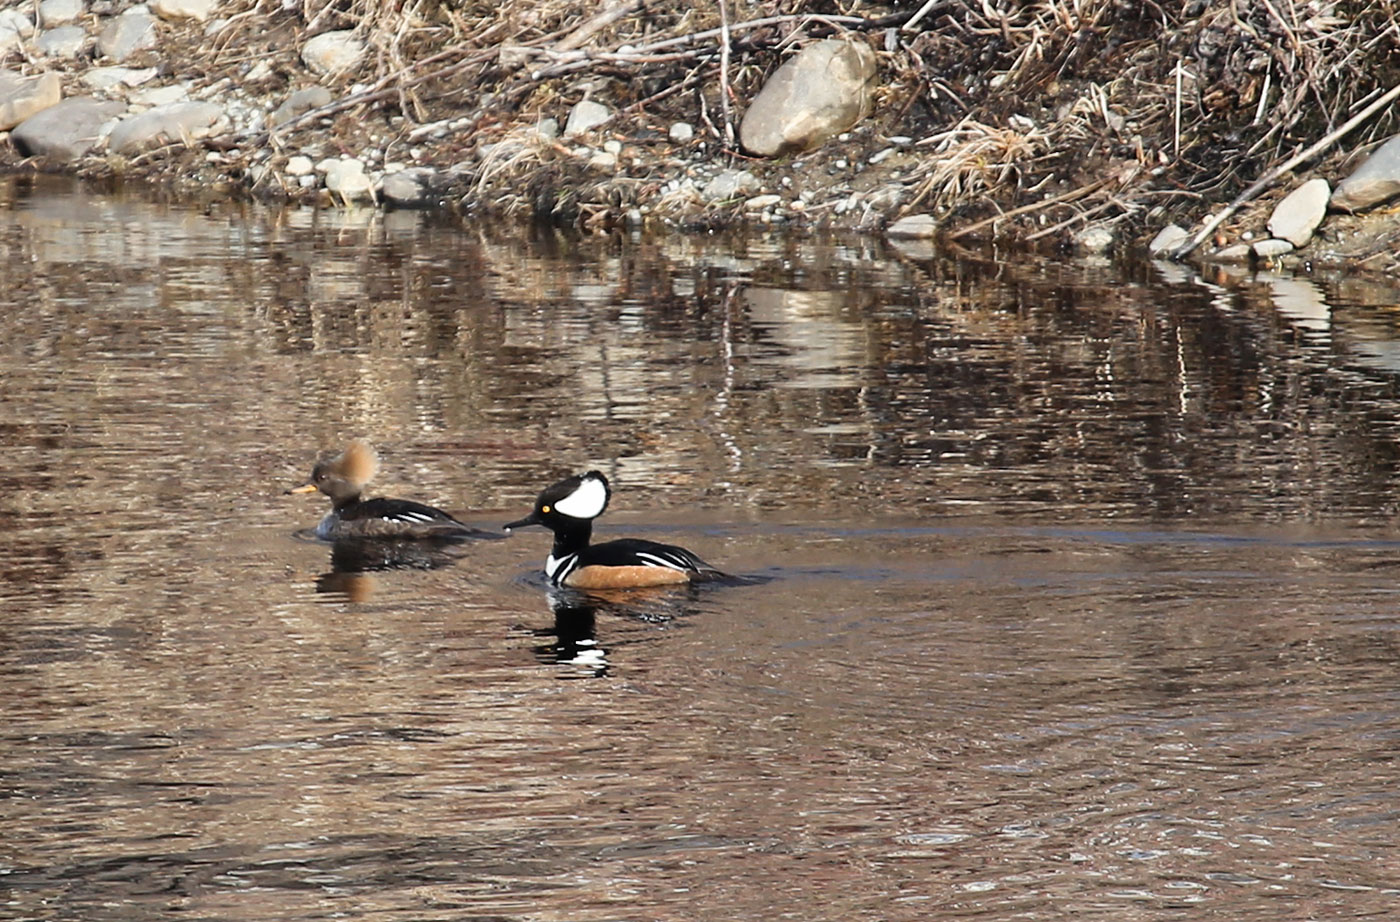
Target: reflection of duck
{"x":568,"y":508}
{"x":344,"y":476}
{"x":354,"y":559}
{"x":575,"y":643}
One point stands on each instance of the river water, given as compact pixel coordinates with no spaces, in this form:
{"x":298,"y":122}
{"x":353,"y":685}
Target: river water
{"x":1069,"y":587}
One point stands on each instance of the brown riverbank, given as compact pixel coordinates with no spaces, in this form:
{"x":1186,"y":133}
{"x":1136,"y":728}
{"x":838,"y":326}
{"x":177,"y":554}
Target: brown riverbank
{"x":1038,"y":121}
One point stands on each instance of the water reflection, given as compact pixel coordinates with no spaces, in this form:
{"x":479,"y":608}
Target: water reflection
{"x":1086,"y":596}
{"x":353,"y":561}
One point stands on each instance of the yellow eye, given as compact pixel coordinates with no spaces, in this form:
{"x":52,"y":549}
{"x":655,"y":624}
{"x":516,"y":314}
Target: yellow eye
{"x":544,"y":509}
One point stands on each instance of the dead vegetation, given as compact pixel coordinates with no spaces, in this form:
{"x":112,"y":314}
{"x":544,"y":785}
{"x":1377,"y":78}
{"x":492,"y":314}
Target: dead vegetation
{"x":1021,"y":118}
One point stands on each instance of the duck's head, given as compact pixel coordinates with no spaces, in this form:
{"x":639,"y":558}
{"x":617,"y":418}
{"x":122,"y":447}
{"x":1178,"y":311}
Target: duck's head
{"x":342,"y":476}
{"x":572,"y":502}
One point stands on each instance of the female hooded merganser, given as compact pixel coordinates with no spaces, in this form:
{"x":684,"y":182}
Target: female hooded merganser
{"x":568,"y":509}
{"x":344,"y":476}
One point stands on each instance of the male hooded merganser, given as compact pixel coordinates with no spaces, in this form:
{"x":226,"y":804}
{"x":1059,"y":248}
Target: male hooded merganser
{"x":568,"y":509}
{"x":344,"y":476}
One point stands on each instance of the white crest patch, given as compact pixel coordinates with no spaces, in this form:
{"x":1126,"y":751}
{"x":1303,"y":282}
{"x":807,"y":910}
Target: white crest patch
{"x":586,"y":502}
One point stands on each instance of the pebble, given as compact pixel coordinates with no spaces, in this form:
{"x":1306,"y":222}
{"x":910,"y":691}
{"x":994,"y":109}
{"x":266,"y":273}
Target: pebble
{"x":916,"y":226}
{"x":346,"y":178}
{"x":729,"y":184}
{"x":198,"y":10}
{"x":62,"y":42}
{"x":760,"y":202}
{"x":300,"y":166}
{"x":410,"y":188}
{"x":681,"y":132}
{"x":299,"y":103}
{"x":132,"y":31}
{"x":1168,"y":239}
{"x":1094,"y":239}
{"x":160,"y":95}
{"x":1268,"y":249}
{"x":603,"y":160}
{"x":584,"y":117}
{"x":15,"y":27}
{"x":1238,"y":253}
{"x":332,"y":52}
{"x":1296,"y":217}
{"x":112,"y":77}
{"x":613,"y":147}
{"x":59,"y":12}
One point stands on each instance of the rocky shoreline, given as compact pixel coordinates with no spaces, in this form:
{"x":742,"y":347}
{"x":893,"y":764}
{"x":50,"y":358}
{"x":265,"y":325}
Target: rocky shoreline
{"x":219,"y":98}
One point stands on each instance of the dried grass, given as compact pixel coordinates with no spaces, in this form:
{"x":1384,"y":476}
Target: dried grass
{"x":1172,"y":100}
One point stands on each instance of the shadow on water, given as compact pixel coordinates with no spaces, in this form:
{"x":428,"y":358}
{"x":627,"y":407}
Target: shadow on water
{"x":1064,"y":588}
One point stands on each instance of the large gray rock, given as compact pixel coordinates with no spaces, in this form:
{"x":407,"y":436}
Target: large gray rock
{"x":1296,"y":217}
{"x":132,"y":31}
{"x":66,"y":131}
{"x":59,"y":12}
{"x":169,"y":10}
{"x":22,"y":97}
{"x":332,"y":52}
{"x":62,"y":42}
{"x":414,"y":187}
{"x":181,"y":121}
{"x":299,"y":103}
{"x":820,"y":93}
{"x":1375,"y":181}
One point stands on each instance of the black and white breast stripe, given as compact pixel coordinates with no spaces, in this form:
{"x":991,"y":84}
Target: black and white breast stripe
{"x":625,"y":552}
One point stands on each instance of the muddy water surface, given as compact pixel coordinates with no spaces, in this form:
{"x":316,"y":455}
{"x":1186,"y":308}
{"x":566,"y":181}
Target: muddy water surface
{"x":1071,"y":588}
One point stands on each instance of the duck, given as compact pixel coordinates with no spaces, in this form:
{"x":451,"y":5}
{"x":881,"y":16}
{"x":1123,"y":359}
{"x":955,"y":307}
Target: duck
{"x":343,"y":477}
{"x":568,"y":509}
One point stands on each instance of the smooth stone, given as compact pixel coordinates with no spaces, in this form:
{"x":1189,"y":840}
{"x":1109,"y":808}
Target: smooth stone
{"x":59,"y":12}
{"x":729,"y":184}
{"x":603,"y":160}
{"x":412,"y":187}
{"x":823,"y":91}
{"x":1094,"y":239}
{"x":105,"y":78}
{"x":347,"y":179}
{"x":24,"y":97}
{"x":299,"y":103}
{"x":1375,"y":181}
{"x":198,"y":10}
{"x":1296,"y":217}
{"x":1168,"y":239}
{"x":584,"y":117}
{"x":1267,"y":249}
{"x":914,"y":226}
{"x":15,"y":27}
{"x":62,"y":42}
{"x":760,"y":202}
{"x":132,"y":31}
{"x":548,"y":128}
{"x":164,"y":124}
{"x":1238,"y":253}
{"x":300,"y":166}
{"x":332,"y":52}
{"x":681,"y":133}
{"x":66,"y":131}
{"x":161,"y":95}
